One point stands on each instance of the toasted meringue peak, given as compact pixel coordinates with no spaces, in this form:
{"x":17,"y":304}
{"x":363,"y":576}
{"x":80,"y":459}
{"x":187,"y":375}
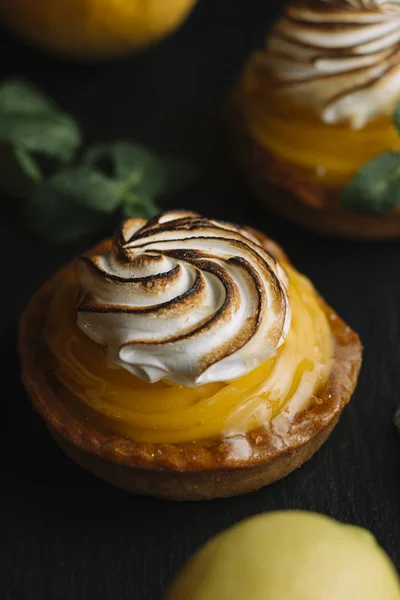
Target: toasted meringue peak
{"x":341,"y":58}
{"x":185,"y":299}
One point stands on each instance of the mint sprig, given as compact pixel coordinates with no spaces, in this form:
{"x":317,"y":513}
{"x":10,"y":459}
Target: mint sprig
{"x":19,"y":171}
{"x":146,"y":175}
{"x":72,"y":204}
{"x":133,"y":206}
{"x":376,"y":186}
{"x":32,"y":127}
{"x":70,"y":195}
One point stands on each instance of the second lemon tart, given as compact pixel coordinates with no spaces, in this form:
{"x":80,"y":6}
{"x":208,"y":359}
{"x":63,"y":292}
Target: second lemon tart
{"x":315,"y":106}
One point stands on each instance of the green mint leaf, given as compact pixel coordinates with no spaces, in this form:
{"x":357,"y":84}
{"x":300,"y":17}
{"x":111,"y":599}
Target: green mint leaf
{"x":396,"y":117}
{"x":52,"y":133}
{"x":134,"y":206}
{"x":19,"y":172}
{"x":38,"y":131}
{"x":376,"y":187}
{"x":72,"y":204}
{"x":397,"y":419}
{"x":28,"y":165}
{"x":145,"y":173}
{"x":24,"y":98}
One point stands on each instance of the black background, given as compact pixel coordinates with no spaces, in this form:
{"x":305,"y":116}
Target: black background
{"x":66,"y":535}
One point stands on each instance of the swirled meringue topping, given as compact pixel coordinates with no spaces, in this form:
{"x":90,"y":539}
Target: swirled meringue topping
{"x":340,"y":58}
{"x":184,"y":299}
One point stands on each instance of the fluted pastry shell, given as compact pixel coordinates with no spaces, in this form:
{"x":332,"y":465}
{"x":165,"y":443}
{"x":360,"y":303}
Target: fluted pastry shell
{"x":190,"y":471}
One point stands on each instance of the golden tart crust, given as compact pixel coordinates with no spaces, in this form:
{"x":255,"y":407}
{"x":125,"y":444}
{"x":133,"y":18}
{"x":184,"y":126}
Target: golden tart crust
{"x":187,"y":471}
{"x":308,"y":203}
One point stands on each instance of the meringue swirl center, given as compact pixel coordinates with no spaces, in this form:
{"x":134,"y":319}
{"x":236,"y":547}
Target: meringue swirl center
{"x":184,"y":299}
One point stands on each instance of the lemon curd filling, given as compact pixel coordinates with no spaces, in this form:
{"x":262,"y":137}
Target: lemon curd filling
{"x":164,"y":412}
{"x":329,"y":153}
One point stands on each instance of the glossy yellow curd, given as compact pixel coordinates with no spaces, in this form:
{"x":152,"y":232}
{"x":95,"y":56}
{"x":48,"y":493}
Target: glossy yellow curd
{"x":168,"y":413}
{"x":296,"y":136}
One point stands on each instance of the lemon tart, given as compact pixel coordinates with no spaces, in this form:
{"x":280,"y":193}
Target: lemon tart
{"x":315,"y":106}
{"x":186,"y":358}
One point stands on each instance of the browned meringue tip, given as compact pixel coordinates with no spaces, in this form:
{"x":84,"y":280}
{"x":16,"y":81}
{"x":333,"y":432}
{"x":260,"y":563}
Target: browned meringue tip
{"x":184,"y":294}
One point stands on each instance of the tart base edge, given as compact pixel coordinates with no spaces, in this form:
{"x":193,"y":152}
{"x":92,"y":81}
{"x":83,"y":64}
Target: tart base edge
{"x":195,"y":486}
{"x":183,"y":473}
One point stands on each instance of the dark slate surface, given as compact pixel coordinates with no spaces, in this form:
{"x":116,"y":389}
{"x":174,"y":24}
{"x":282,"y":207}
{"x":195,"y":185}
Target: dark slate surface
{"x":66,"y":535}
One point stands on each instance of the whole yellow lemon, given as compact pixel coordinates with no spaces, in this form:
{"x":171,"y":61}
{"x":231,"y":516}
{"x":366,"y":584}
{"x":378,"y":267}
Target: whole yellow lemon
{"x":93,"y":28}
{"x":289,"y":556}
